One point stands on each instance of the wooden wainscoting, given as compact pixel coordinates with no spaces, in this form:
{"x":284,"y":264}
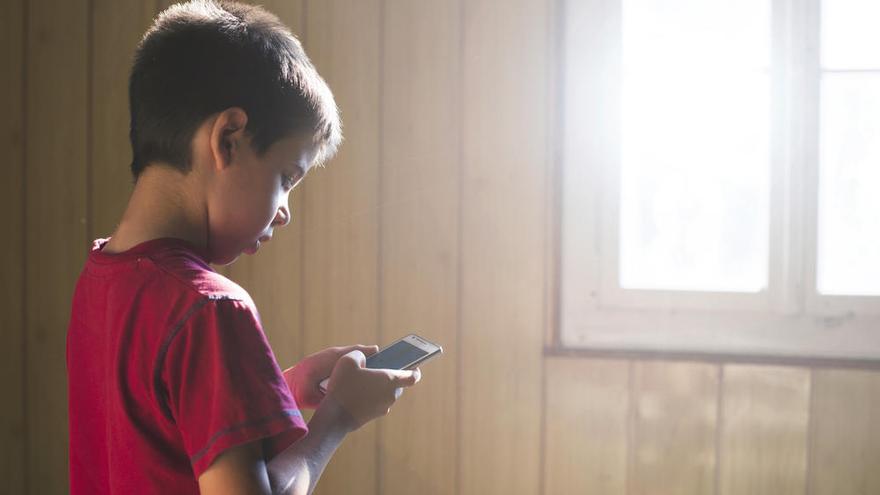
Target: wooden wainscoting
{"x":435,"y":218}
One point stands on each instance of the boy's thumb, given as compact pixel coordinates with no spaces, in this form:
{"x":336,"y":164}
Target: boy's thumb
{"x":407,"y":378}
{"x":368,"y":350}
{"x":357,"y":357}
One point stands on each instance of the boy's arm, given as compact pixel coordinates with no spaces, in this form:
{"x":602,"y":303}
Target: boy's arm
{"x":296,"y":470}
{"x":242,"y":470}
{"x":356,"y":395}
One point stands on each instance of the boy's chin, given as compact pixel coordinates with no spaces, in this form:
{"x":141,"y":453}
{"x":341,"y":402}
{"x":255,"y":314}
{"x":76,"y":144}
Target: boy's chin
{"x":252,"y":249}
{"x":229,"y":258}
{"x":224,"y":260}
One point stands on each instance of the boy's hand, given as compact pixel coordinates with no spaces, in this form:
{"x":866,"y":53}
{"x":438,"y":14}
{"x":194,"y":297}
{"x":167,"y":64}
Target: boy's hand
{"x":304,"y":377}
{"x":366,"y":394}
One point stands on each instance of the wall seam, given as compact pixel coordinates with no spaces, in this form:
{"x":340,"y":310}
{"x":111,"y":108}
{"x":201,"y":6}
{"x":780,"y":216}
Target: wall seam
{"x":23,"y":236}
{"x":811,"y":426}
{"x":549,"y":303}
{"x":380,"y":279}
{"x":90,"y":119}
{"x":542,"y":439}
{"x":631,"y":439}
{"x":459,"y":285}
{"x":553,"y":201}
{"x":719,"y":424}
{"x":303,"y":217}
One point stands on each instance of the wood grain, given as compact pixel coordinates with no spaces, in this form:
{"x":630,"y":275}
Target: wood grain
{"x":12,"y":82}
{"x":765,"y":412}
{"x":115,"y":36}
{"x":845,"y":441}
{"x":504,"y":168}
{"x":585,"y":426}
{"x":341,"y":221}
{"x":419,"y":236}
{"x":56,"y":218}
{"x":432,"y":219}
{"x":673,"y":431}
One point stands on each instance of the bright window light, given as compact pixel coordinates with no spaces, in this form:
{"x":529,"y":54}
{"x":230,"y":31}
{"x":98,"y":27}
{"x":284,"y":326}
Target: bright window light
{"x":849,"y":34}
{"x":695,"y":169}
{"x":849,"y":150}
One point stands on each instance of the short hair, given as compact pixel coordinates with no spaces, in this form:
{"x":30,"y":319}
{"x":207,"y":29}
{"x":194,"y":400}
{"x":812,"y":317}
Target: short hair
{"x":204,"y":56}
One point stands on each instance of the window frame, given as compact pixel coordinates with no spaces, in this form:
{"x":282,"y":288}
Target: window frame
{"x":788,"y":319}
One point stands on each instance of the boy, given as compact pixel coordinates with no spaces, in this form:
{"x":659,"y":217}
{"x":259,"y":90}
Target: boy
{"x":172,"y":385}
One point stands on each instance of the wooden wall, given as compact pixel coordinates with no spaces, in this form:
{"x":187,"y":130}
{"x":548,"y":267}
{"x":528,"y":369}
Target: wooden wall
{"x":436,"y":217}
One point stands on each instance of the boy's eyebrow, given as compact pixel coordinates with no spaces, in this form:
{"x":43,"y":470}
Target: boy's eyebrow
{"x":299,"y":171}
{"x":306,"y":167}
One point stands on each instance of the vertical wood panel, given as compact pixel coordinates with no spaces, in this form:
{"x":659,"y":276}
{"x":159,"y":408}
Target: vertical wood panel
{"x":117,"y":28}
{"x":419,"y":244}
{"x":273,"y":277}
{"x":505,"y":157}
{"x":674,"y":428}
{"x":586,"y":426}
{"x":764,"y":430}
{"x":845,"y":444}
{"x":12,"y":417}
{"x":340,"y":225}
{"x":56,"y":218}
{"x":407,"y":225}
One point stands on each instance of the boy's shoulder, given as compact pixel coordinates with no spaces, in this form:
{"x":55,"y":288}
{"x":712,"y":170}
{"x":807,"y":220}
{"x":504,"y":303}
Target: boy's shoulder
{"x":190,"y":270}
{"x":171,"y":266}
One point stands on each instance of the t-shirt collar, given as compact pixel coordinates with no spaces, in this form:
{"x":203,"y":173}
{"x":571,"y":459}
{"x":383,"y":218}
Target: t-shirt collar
{"x":145,"y":248}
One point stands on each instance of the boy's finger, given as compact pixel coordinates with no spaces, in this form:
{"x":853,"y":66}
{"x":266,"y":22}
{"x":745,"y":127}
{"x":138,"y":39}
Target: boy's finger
{"x":407,"y":378}
{"x":368,"y":350}
{"x":357,"y":357}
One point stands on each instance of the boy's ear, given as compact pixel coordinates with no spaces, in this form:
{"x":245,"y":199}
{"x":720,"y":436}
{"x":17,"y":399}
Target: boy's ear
{"x":227,"y":136}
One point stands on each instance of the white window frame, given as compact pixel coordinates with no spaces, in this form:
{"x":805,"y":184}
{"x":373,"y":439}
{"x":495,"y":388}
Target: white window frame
{"x":789,"y":318}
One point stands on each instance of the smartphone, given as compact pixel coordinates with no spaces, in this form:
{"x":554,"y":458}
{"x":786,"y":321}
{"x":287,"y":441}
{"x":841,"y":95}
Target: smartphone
{"x":405,"y":354}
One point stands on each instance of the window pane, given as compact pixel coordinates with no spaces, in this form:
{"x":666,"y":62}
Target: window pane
{"x":695,"y":145}
{"x":849,"y":185}
{"x":849,"y":34}
{"x":698,"y":34}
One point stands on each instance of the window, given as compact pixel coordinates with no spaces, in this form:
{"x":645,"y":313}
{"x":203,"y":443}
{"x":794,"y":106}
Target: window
{"x":721,"y":177}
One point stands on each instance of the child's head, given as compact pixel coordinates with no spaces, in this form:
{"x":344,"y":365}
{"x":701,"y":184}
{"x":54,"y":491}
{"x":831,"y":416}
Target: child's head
{"x":231,"y":79}
{"x":202,"y":57}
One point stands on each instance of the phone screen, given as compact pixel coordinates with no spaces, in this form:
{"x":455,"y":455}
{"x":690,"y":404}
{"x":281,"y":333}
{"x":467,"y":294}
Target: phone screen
{"x":396,"y":356}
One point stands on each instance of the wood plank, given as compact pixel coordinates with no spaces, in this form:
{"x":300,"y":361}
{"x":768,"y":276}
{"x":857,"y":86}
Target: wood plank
{"x":419,"y":243}
{"x":585,"y":426}
{"x":117,"y":28}
{"x":765,"y":413}
{"x":673,"y":431}
{"x":56,"y":240}
{"x":845,"y":441}
{"x":505,"y":155}
{"x":274,"y":276}
{"x":12,"y":417}
{"x":340,"y":224}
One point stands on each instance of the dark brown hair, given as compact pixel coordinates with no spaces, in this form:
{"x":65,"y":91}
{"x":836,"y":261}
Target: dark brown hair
{"x":202,"y":57}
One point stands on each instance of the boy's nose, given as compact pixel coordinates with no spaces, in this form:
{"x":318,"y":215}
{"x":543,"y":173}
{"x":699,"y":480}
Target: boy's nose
{"x":282,"y":217}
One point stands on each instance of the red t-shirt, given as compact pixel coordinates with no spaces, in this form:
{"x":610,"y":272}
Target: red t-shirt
{"x":167,"y":367}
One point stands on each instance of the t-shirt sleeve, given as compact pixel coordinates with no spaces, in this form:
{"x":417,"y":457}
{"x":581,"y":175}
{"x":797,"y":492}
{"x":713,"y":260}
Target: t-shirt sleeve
{"x":224,"y":387}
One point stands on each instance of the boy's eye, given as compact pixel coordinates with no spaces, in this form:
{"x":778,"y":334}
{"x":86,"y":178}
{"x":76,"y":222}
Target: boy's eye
{"x":287,"y":181}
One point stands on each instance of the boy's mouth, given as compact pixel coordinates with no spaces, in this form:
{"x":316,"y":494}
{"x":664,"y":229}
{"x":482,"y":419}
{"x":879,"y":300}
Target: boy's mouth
{"x":253,"y":248}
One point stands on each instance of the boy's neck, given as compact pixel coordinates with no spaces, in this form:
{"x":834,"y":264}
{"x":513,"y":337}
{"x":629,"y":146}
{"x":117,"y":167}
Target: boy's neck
{"x":164,"y":203}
